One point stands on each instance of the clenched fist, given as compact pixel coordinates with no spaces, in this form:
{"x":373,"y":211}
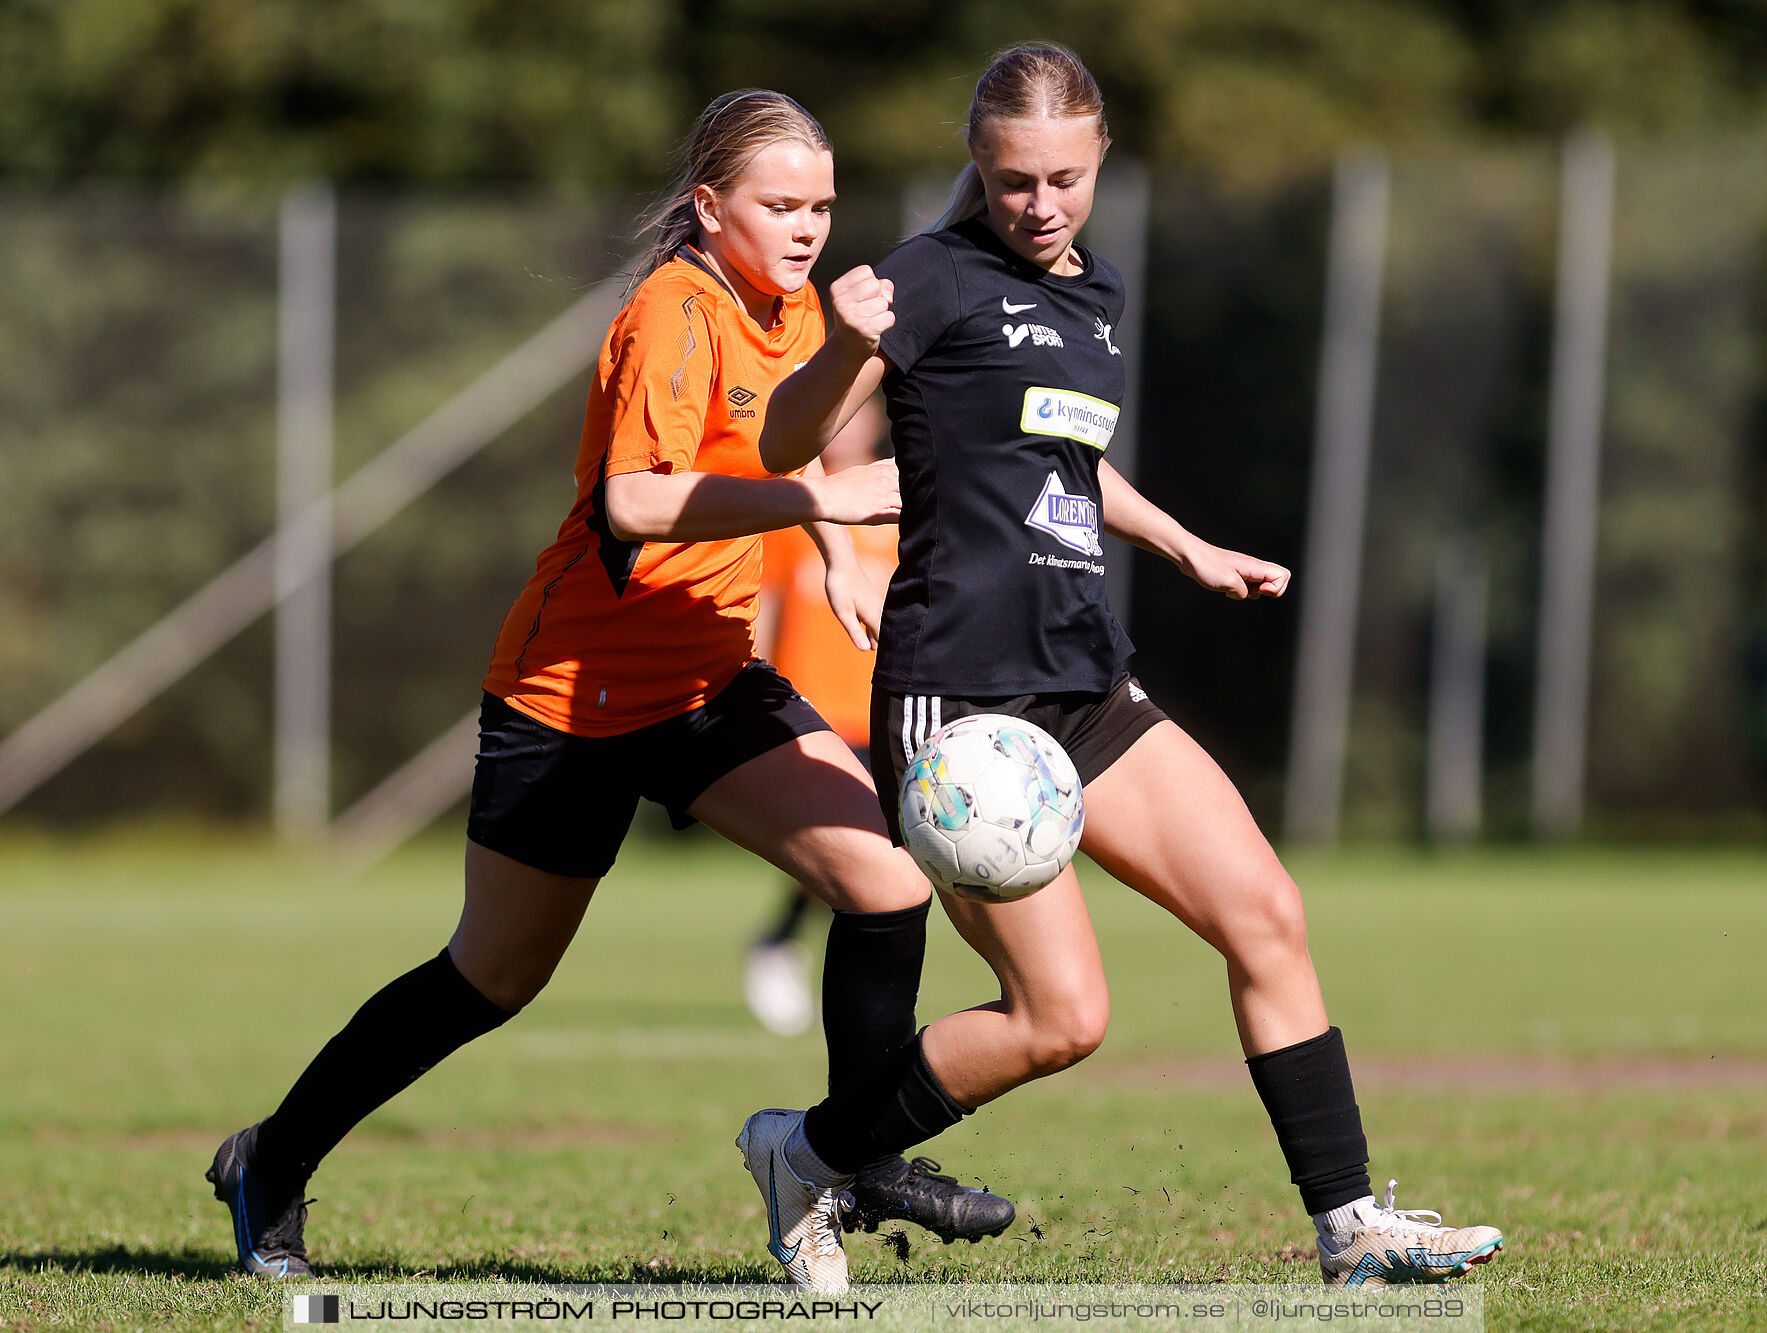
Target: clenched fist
{"x":860,"y":302}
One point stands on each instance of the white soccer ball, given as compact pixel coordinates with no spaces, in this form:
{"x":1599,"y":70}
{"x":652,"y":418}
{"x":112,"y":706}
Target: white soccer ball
{"x":991,"y":808}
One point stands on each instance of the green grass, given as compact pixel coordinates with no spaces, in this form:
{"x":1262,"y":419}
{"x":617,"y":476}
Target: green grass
{"x":161,"y":991}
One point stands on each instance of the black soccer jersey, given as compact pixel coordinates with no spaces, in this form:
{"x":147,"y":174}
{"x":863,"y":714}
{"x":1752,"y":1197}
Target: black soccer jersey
{"x":1003,"y":396}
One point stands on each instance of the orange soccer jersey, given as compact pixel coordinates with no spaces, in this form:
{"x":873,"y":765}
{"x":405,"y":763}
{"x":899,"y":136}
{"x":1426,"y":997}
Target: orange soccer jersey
{"x":609,"y":636}
{"x":811,"y":648}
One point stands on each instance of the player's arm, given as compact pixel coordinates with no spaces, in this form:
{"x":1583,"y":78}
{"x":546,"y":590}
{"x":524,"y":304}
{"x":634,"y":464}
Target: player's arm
{"x":1130,"y":515}
{"x":664,"y":506}
{"x":855,"y":602}
{"x":809,"y":407}
{"x":852,"y":596}
{"x":660,"y":387}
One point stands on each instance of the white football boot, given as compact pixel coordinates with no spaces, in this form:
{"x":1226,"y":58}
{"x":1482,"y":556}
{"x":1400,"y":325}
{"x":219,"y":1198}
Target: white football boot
{"x":776,"y":985}
{"x":803,"y":1223}
{"x":1391,"y":1246}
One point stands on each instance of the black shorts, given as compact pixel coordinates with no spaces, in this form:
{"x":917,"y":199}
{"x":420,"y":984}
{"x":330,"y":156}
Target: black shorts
{"x":563,"y":803}
{"x":1095,"y":729}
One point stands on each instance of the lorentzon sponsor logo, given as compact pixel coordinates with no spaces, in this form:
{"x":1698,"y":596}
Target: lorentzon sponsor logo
{"x":1071,"y":519}
{"x":1072,"y":511}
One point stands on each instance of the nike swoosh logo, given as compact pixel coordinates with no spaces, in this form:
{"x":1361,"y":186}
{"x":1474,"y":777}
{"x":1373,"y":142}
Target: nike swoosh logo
{"x":776,"y":1241}
{"x":1012,"y":309}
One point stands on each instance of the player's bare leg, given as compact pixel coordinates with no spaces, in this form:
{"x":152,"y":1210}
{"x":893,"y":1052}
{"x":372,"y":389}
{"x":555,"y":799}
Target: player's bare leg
{"x":1052,"y":1012}
{"x":1168,"y":822}
{"x":1054,"y":1004}
{"x":808,"y":807}
{"x":515,"y":925}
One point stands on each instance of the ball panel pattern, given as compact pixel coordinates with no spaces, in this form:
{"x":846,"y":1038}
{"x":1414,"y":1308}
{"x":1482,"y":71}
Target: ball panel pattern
{"x":991,"y":808}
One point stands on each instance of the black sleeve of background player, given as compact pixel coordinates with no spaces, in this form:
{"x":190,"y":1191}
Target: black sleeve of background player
{"x":927,"y":301}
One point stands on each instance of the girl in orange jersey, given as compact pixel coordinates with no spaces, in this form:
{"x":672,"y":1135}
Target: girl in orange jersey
{"x":626,"y":669}
{"x":1003,"y":380}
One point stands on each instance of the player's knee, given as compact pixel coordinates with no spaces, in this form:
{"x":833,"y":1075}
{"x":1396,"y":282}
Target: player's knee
{"x":1272,"y":922}
{"x":512,"y":987}
{"x":868,"y":875}
{"x":1062,"y":1040}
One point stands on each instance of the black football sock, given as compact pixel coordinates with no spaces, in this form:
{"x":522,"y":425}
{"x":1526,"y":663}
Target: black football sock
{"x":901,"y":1104}
{"x":797,"y":903}
{"x":1306,"y":1089}
{"x":870,"y":981}
{"x":402,"y":1031}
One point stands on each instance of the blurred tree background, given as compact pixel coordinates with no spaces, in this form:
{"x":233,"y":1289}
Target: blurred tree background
{"x":593,"y":92}
{"x":489,"y":157}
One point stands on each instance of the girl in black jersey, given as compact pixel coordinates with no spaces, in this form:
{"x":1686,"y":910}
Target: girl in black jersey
{"x":1003,"y":381}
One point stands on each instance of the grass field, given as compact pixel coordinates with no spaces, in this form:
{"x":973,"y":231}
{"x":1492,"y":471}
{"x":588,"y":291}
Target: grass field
{"x":1570,"y":1045}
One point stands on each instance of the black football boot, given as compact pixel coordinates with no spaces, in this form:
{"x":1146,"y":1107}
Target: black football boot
{"x":916,"y":1192}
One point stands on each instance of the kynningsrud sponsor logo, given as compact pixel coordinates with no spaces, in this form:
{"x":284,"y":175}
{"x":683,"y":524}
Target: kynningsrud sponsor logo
{"x":1071,"y":519}
{"x":1073,"y":416}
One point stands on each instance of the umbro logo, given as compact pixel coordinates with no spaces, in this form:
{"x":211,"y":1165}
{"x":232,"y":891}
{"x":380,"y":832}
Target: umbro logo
{"x":740,"y":398}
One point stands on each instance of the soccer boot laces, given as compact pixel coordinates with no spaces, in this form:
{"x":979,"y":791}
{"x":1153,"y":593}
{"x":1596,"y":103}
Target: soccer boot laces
{"x":267,"y":1225}
{"x":1392,"y":1246}
{"x":916,"y":1192}
{"x":803,"y":1232}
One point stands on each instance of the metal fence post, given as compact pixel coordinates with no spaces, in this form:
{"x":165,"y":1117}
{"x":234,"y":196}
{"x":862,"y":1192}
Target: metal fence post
{"x":306,"y":323}
{"x":1330,"y":575}
{"x":1567,"y":549}
{"x":1454,"y":805}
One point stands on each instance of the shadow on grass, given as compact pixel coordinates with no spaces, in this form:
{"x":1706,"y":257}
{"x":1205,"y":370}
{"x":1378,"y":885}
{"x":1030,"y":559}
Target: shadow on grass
{"x":193,"y":1265}
{"x":121,"y":1259}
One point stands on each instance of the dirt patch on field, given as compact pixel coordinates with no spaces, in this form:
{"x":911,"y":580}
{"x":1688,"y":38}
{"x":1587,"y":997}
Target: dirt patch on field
{"x":1479,"y":1073}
